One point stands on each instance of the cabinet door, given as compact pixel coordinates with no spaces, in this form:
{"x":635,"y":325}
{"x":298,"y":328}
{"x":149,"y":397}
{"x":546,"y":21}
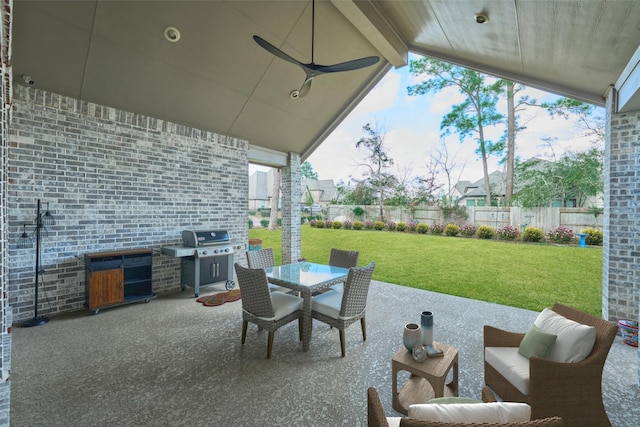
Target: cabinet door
{"x":106,"y":288}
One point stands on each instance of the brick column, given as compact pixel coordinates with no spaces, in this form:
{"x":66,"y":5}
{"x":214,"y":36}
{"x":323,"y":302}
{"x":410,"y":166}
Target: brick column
{"x":621,"y":255}
{"x":291,"y":209}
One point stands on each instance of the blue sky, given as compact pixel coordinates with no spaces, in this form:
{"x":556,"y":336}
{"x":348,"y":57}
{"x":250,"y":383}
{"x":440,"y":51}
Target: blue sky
{"x":412,"y":125}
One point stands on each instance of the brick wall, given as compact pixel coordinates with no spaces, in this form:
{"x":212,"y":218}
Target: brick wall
{"x":621,"y":277}
{"x":113,"y":180}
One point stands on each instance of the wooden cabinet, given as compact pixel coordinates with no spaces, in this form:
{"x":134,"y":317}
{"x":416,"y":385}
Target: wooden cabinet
{"x":119,"y":277}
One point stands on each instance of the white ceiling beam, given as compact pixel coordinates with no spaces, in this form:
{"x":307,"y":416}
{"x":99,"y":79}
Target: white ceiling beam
{"x":628,"y":85}
{"x":368,"y":19}
{"x":266,"y":157}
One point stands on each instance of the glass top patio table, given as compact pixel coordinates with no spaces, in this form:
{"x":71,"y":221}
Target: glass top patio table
{"x":306,"y":278}
{"x":306,"y":274}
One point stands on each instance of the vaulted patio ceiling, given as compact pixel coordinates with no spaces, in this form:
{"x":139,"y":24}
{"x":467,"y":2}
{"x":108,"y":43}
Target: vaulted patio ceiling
{"x":217,"y":78}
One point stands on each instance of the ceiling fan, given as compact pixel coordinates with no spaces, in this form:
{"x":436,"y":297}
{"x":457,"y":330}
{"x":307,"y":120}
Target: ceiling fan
{"x":312,"y":69}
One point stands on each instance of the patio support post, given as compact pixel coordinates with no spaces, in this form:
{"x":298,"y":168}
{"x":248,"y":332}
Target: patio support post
{"x":291,"y":208}
{"x":621,"y":247}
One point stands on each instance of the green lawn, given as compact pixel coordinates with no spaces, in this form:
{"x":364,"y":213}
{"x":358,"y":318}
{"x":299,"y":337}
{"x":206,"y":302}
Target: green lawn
{"x":531,"y":276}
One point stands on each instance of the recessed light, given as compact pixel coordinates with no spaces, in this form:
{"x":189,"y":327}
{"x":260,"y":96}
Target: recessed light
{"x":482,"y":18}
{"x":172,"y":34}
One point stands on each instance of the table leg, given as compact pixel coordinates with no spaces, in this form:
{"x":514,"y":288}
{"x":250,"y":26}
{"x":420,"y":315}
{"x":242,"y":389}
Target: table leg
{"x":306,"y":318}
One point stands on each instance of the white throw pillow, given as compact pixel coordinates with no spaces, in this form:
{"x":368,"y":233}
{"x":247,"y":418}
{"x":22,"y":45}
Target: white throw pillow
{"x":575,"y":340}
{"x":493,"y":412}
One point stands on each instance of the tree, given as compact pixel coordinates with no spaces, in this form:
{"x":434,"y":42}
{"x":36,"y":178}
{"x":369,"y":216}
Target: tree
{"x":576,"y":176}
{"x":275,"y":197}
{"x":441,"y":161}
{"x":473,"y":115}
{"x":306,"y":170}
{"x":376,"y":161}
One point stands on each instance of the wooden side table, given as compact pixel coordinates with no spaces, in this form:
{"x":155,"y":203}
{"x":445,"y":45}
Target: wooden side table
{"x":427,"y":378}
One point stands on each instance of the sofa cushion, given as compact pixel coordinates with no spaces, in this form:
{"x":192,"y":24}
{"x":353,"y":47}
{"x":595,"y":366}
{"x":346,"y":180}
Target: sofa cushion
{"x":511,"y":365}
{"x":575,"y":340}
{"x":394,"y":421}
{"x":536,"y":343}
{"x":472,"y":412}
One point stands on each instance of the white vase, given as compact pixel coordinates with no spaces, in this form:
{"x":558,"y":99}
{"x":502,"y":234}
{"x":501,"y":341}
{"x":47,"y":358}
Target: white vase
{"x":412,"y":335}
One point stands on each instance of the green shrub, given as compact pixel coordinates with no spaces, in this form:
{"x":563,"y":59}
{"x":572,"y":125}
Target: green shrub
{"x":378,"y":225}
{"x":250,"y":224}
{"x":358,"y":211}
{"x":279,"y":222}
{"x":252,"y":213}
{"x":452,"y":230}
{"x":264,"y":223}
{"x":337,"y":225}
{"x":594,"y":237}
{"x":319,"y":223}
{"x":486,"y":232}
{"x":357,"y":225}
{"x":265,"y":212}
{"x":422,"y":228}
{"x":401,"y":226}
{"x":436,"y":228}
{"x":532,"y":234}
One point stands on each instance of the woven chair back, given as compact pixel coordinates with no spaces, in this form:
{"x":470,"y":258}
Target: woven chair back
{"x":262,"y":258}
{"x":344,"y":259}
{"x":256,"y":297}
{"x":356,"y":289}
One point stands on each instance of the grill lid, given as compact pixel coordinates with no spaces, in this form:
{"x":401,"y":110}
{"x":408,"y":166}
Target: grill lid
{"x":194,"y":239}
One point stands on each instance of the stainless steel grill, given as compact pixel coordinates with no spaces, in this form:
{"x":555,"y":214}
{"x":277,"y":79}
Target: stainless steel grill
{"x":206,"y":259}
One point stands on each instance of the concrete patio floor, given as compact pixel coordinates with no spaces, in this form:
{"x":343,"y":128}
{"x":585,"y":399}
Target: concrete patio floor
{"x":175,"y":362}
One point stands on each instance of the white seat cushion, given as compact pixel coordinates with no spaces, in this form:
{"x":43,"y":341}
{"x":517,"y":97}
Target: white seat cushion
{"x":511,"y":365}
{"x":284,"y":304}
{"x":338,"y":287}
{"x":575,"y":340}
{"x":327,"y":303}
{"x":276,"y":288}
{"x":494,"y":412}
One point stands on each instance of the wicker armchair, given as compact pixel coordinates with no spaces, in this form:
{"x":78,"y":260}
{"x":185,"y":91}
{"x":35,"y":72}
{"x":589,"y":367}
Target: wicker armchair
{"x":344,"y":259}
{"x":268,"y":310}
{"x":572,"y":391}
{"x":263,"y":258}
{"x":341,"y":309}
{"x":376,"y":417}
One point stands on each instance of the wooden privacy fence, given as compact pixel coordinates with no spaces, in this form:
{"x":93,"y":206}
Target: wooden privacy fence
{"x":575,"y":219}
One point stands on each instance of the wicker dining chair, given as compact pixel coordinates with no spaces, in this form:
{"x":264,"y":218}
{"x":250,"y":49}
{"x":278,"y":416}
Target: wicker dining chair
{"x":268,"y":310}
{"x":264,"y":258}
{"x":572,"y":391}
{"x":341,"y":309}
{"x":344,"y":259}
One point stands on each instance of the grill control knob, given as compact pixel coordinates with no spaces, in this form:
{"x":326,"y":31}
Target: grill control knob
{"x":226,"y":250}
{"x":204,"y":252}
{"x":215,"y":251}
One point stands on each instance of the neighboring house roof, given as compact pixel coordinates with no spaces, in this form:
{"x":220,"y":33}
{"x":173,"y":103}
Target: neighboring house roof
{"x":323,"y":191}
{"x":260,"y":184}
{"x":477,"y":189}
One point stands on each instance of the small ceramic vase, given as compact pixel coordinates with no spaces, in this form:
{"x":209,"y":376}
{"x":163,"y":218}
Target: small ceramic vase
{"x":412,"y":335}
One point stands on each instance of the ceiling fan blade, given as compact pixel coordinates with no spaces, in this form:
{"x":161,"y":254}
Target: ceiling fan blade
{"x":306,"y":87}
{"x":355,"y":64}
{"x":276,"y":52}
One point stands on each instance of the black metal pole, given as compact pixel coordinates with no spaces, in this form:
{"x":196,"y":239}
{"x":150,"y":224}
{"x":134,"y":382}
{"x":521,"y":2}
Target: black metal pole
{"x":37,"y":320}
